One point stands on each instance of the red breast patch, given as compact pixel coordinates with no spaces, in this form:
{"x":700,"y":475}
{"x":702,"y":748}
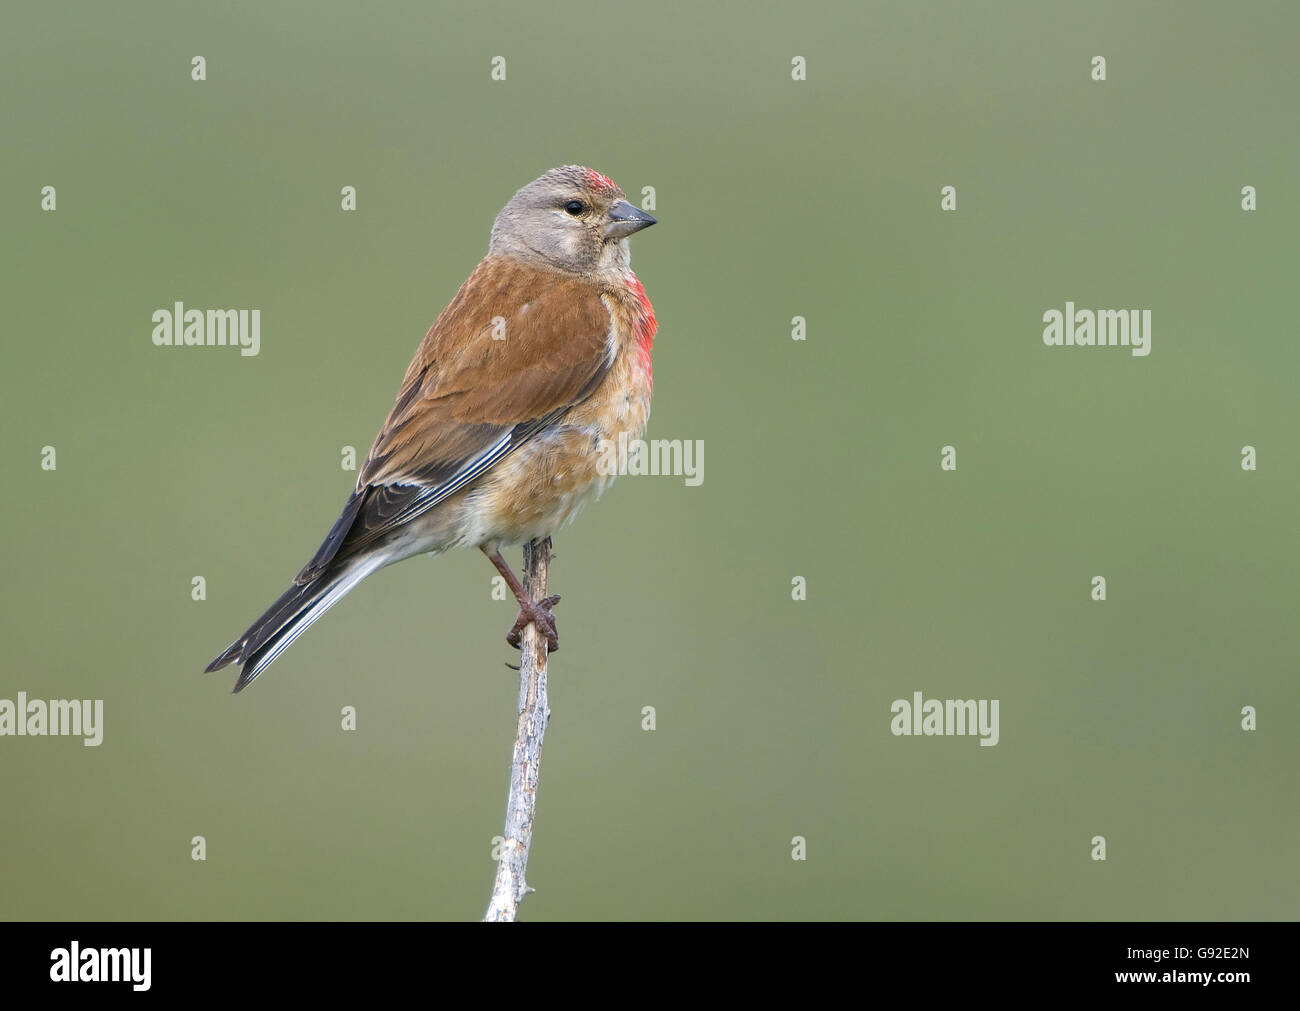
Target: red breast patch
{"x":646,"y":325}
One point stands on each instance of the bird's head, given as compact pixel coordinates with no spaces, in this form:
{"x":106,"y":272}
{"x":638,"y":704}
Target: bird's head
{"x":572,"y":219}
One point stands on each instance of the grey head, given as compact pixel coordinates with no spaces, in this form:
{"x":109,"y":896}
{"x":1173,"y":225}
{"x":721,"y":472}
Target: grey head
{"x":571,"y":219}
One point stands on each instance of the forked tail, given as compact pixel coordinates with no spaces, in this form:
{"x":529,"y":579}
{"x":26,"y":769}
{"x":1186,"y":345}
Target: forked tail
{"x":289,"y":617}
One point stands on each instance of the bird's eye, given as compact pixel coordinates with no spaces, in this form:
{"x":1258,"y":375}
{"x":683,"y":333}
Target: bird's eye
{"x":574,"y":207}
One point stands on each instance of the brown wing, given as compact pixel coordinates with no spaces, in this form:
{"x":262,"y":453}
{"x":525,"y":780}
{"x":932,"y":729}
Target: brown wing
{"x":513,"y":351}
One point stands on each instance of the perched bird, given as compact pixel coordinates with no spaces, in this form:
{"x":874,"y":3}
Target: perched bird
{"x":494,"y":439}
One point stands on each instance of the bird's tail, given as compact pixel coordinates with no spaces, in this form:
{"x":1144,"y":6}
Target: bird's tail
{"x":289,"y":617}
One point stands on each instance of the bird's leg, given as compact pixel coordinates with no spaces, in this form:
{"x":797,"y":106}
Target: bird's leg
{"x":536,"y":612}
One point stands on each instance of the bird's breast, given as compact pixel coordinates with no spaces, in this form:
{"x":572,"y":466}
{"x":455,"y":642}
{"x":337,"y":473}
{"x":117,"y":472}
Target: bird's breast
{"x":545,"y":483}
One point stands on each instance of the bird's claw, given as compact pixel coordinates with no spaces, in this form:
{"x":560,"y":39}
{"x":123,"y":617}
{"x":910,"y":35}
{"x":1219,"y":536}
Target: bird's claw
{"x":539,"y":614}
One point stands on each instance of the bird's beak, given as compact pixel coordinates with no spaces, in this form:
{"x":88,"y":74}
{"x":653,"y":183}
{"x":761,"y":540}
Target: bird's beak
{"x":624,"y":219}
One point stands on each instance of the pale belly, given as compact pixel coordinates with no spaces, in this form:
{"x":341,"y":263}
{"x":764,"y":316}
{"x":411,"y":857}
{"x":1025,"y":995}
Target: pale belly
{"x":543,"y":485}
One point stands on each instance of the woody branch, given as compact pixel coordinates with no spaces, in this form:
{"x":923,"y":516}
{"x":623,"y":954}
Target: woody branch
{"x":534,"y":712}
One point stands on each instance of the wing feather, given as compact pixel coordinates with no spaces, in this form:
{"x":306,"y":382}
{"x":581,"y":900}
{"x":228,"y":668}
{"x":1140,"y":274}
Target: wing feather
{"x":513,"y":351}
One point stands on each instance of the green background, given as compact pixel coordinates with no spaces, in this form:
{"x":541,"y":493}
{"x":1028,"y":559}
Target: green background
{"x":775,"y":199}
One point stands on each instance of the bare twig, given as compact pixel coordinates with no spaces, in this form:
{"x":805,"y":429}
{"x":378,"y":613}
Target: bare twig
{"x":534,"y":712}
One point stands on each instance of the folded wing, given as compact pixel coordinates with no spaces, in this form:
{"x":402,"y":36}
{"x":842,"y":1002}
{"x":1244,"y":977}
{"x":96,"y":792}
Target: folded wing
{"x":515,"y":349}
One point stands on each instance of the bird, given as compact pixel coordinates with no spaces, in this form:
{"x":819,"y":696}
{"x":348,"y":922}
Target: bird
{"x":495,"y":436}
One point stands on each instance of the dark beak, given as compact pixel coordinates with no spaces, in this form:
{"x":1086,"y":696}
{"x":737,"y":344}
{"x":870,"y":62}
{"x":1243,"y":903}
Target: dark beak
{"x":624,"y":219}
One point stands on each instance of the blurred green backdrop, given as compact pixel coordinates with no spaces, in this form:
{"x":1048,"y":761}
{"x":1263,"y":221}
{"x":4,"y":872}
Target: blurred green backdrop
{"x":776,"y":199}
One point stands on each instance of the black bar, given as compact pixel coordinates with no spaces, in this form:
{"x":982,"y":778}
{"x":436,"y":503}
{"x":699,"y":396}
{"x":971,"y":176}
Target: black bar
{"x":918,"y":961}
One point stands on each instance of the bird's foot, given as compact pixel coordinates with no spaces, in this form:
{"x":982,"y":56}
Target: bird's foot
{"x":536,"y":613}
